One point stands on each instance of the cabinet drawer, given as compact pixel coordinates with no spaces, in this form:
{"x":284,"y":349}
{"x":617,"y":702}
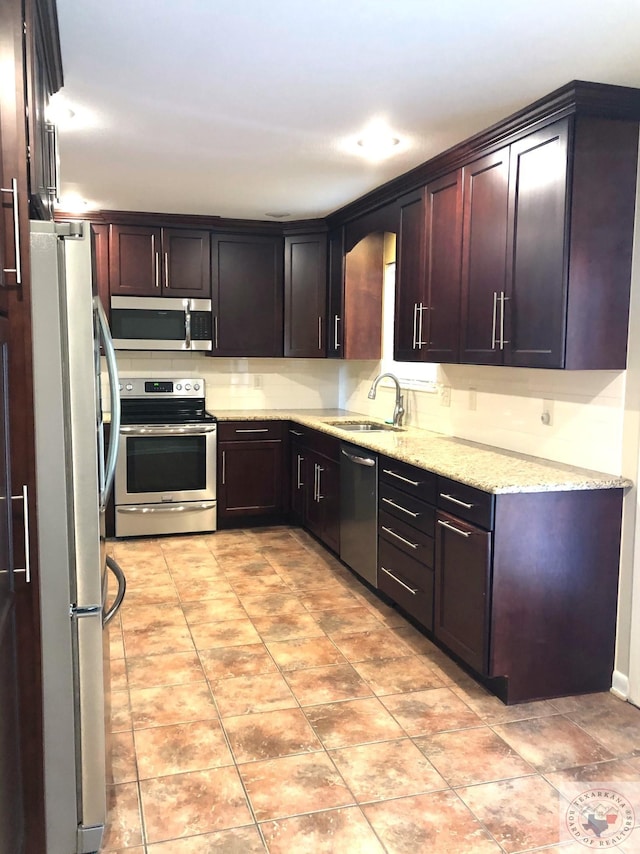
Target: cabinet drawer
{"x":417,"y":482}
{"x":408,"y":539}
{"x":407,"y":582}
{"x":466,"y":502}
{"x":239,"y":431}
{"x":416,"y":513}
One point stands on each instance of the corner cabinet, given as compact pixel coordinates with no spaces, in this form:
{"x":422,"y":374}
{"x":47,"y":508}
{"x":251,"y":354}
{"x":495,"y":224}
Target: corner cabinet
{"x":148,"y":261}
{"x":305,"y":295}
{"x":247,"y":295}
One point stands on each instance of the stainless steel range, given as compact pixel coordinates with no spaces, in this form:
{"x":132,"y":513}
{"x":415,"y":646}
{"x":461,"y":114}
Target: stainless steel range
{"x":165,"y":479}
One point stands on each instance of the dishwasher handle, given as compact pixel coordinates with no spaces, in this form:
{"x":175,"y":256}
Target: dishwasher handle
{"x":361,"y":461}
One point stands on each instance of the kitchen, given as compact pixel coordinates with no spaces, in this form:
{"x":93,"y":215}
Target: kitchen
{"x":591,"y":413}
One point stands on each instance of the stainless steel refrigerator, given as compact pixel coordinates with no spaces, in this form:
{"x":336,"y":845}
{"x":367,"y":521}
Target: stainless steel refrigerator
{"x":74,"y":474}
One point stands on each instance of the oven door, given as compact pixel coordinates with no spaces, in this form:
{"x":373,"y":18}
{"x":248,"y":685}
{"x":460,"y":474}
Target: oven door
{"x":163,"y":464}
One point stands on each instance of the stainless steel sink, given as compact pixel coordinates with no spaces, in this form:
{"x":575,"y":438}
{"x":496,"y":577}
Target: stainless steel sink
{"x":364,"y":426}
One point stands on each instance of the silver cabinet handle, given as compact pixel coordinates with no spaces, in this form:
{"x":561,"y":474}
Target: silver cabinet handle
{"x":494,"y":320}
{"x":420,"y":342}
{"x":166,"y":269}
{"x":398,"y":537}
{"x":412,"y":590}
{"x":114,"y":395}
{"x":315,"y":481}
{"x":319,"y":333}
{"x":296,"y":433}
{"x":414,"y":344}
{"x":299,"y":483}
{"x":253,"y":430}
{"x":122,"y":587}
{"x":13,"y":189}
{"x":503,"y":299}
{"x":224,"y":467}
{"x":400,"y":507}
{"x":320,"y":495}
{"x":54,"y":160}
{"x":456,"y":500}
{"x":454,"y":529}
{"x":157,"y":263}
{"x":25,"y":515}
{"x":361,"y":461}
{"x":400,"y":477}
{"x":336,"y":343}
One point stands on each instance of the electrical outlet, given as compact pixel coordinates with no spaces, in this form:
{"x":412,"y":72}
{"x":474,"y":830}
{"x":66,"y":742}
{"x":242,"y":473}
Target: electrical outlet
{"x":257,"y":381}
{"x":445,"y":395}
{"x":473,"y":399}
{"x":547,"y":413}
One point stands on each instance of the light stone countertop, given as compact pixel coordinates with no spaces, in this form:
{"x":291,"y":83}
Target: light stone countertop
{"x":483,"y":466}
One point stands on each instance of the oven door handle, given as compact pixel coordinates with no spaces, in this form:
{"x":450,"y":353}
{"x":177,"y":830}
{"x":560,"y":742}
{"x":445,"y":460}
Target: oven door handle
{"x":190,"y":507}
{"x":164,"y":430}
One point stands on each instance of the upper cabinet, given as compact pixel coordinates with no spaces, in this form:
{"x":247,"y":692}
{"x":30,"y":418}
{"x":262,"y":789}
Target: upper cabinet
{"x":247,"y":295}
{"x":355,"y":297}
{"x":44,"y":78}
{"x":151,"y":261}
{"x":305,"y":294}
{"x":524,"y":257}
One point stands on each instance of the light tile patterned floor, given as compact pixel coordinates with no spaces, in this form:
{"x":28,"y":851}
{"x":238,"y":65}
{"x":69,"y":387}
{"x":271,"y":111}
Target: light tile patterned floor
{"x":264,"y":700}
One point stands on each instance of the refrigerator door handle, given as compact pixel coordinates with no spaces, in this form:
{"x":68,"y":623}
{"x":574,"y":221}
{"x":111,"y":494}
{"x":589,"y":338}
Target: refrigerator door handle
{"x":112,"y":370}
{"x":122,"y":587}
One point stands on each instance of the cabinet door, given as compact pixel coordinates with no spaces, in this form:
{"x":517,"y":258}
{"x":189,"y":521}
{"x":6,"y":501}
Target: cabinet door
{"x":186,"y":266}
{"x":250,"y":479}
{"x":335,"y":332}
{"x":100,"y":262}
{"x":305,"y":293}
{"x":11,"y":821}
{"x":484,"y":257}
{"x":247,"y":295}
{"x":537,"y":264}
{"x":410,"y":280}
{"x":461,"y":613}
{"x":364,"y":274}
{"x":329,"y":498}
{"x":443,"y":256}
{"x":134,"y":261}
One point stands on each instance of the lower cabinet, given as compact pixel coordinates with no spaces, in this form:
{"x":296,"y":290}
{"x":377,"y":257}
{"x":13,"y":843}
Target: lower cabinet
{"x":315,"y":483}
{"x":250,"y":472}
{"x":406,"y":520}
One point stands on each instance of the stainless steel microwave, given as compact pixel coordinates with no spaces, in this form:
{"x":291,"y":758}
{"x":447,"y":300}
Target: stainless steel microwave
{"x":165,"y":323}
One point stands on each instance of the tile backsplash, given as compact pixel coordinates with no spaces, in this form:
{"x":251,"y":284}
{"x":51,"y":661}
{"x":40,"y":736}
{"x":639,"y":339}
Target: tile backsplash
{"x":495,"y":406}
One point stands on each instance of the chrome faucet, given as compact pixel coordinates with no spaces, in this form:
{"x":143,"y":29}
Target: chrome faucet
{"x":398,"y":410}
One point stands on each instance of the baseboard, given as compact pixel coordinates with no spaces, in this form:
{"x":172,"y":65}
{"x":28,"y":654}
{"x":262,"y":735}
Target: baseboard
{"x":620,"y":685}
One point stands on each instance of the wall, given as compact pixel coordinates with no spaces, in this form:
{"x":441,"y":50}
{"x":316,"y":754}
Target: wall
{"x":242,"y":383}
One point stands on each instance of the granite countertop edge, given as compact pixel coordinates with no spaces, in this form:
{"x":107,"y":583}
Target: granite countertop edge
{"x":484,"y":467}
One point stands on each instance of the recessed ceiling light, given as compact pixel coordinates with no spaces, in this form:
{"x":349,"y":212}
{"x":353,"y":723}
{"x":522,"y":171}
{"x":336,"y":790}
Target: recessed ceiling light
{"x":278,"y":215}
{"x":376,"y":142}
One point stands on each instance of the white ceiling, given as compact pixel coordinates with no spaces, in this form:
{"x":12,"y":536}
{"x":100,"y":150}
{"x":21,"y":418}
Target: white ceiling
{"x":242,"y":107}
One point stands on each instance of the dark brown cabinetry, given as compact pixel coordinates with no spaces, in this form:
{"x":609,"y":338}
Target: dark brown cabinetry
{"x":355,"y":297}
{"x":409,"y":277}
{"x":44,"y":78}
{"x":484,"y":258}
{"x":305,"y":295}
{"x":247,"y":295}
{"x":315,"y":483}
{"x":406,"y":537}
{"x":463,"y":571}
{"x":250,"y":472}
{"x":149,"y":261}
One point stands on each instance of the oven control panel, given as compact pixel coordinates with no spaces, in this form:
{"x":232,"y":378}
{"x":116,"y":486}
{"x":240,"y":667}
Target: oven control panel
{"x":142,"y":387}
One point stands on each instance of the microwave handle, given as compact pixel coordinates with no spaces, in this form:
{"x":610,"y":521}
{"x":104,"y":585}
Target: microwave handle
{"x":187,"y":324}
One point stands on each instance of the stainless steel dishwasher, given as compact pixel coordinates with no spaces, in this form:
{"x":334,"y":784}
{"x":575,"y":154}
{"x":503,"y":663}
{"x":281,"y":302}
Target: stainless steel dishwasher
{"x":359,"y":511}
